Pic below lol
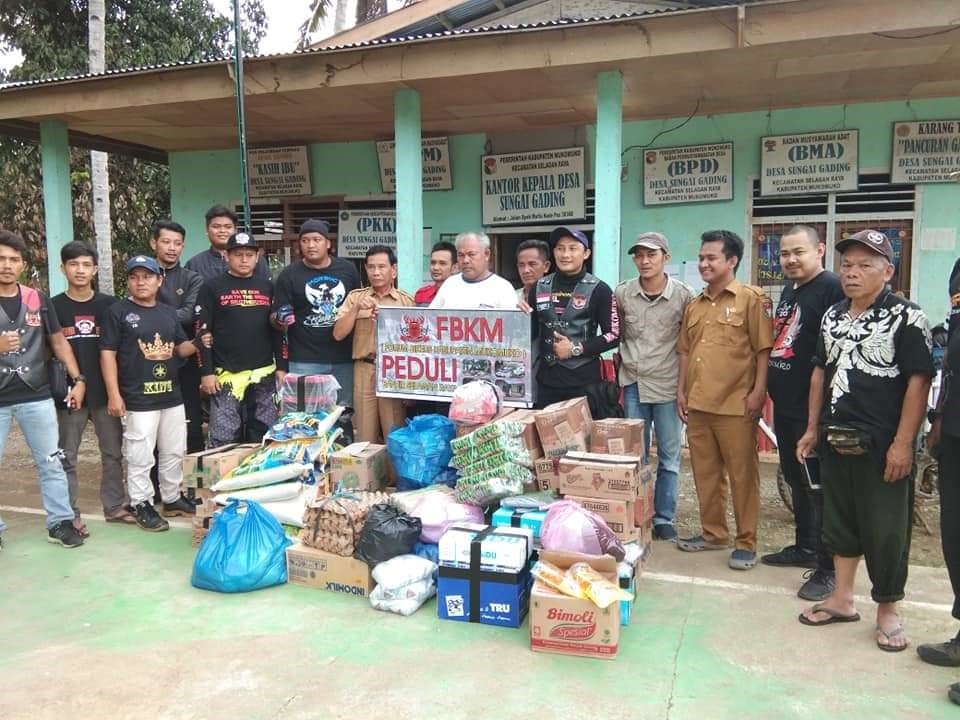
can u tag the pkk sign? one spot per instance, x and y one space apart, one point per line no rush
278 172
926 151
536 186
810 163
696 173
426 354
359 230
436 164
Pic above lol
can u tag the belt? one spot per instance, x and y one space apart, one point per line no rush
368 360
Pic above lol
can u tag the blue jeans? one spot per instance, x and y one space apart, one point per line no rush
38 423
343 372
664 418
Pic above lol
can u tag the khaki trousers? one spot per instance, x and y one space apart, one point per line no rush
374 417
728 443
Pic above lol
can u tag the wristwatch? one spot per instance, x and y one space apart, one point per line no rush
577 350
79 379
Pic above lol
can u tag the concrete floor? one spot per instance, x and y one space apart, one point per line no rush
114 630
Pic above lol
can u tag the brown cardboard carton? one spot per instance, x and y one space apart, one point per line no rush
617 514
643 507
646 541
570 626
326 571
617 436
203 469
360 466
545 469
593 475
530 437
464 429
564 426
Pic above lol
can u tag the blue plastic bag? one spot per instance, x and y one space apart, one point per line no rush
420 452
242 552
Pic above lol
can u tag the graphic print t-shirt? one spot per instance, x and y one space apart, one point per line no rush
82 323
795 331
316 296
237 312
145 340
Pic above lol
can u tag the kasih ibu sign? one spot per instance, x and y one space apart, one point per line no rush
809 163
926 151
436 164
536 186
696 173
360 230
278 172
426 354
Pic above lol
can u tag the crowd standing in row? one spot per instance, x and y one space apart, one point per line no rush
846 362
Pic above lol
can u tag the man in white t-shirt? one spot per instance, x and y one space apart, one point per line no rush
475 287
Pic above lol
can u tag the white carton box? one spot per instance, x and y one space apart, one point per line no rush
505 549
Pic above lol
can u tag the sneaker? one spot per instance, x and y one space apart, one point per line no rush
791 556
149 519
742 559
954 693
945 654
64 533
664 531
818 586
180 506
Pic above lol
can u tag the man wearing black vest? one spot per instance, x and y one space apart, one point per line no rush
570 307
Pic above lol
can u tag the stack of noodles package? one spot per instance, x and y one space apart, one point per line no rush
493 463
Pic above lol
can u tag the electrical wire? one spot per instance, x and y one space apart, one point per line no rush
891 36
665 131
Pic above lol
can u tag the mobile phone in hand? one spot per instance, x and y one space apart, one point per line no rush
810 483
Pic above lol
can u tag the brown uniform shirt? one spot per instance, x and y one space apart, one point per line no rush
721 337
365 329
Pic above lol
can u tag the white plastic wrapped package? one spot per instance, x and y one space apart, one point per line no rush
266 493
290 512
438 511
269 476
403 570
403 601
408 500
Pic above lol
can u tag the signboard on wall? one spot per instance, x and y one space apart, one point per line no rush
436 164
359 230
695 173
537 186
278 172
427 354
809 163
926 151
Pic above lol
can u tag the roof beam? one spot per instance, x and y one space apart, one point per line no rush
30 132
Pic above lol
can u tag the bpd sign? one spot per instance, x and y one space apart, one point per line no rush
696 173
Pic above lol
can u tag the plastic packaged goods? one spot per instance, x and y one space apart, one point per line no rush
486 433
292 510
403 570
487 490
308 393
438 511
404 601
529 501
407 500
551 575
387 532
261 478
428 551
496 460
571 528
475 402
302 425
275 455
420 451
596 587
266 493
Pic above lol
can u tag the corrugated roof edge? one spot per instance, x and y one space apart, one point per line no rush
522 27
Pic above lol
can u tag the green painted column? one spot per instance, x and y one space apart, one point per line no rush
57 202
607 163
409 168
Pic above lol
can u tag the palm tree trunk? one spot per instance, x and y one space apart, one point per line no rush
99 175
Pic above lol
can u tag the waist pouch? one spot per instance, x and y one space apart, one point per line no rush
847 440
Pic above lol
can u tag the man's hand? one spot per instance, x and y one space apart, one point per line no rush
115 406
899 460
209 385
525 306
75 396
9 341
682 405
562 347
753 405
806 445
367 303
285 316
279 375
933 437
203 339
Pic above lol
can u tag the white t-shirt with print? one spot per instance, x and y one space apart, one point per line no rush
493 292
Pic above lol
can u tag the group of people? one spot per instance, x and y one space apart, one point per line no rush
846 362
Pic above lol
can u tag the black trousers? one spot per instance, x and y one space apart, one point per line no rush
190 389
949 478
807 502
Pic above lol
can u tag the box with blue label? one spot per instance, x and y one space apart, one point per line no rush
516 517
482 596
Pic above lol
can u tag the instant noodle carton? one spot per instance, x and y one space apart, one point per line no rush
617 436
594 475
326 571
546 471
205 468
564 426
570 626
360 466
617 514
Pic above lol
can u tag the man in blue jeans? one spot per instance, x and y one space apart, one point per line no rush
651 308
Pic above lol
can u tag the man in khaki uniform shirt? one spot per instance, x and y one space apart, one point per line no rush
724 344
375 417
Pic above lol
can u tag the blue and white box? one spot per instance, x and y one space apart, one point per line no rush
488 598
514 517
471 545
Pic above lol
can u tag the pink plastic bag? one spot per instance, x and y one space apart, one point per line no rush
438 511
475 403
571 528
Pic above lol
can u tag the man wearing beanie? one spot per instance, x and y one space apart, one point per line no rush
308 295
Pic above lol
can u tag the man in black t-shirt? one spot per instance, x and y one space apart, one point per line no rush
809 292
307 296
235 307
141 350
81 311
868 397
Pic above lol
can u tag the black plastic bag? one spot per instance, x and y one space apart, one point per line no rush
388 532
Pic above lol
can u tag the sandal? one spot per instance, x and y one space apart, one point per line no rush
122 515
833 616
698 543
81 528
886 647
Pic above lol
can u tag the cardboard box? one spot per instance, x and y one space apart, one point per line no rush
326 571
469 545
643 507
594 475
488 598
530 436
465 429
564 426
360 466
205 468
509 517
645 540
617 514
617 436
546 470
570 626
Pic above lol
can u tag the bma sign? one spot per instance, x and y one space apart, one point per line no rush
436 164
696 173
360 230
810 163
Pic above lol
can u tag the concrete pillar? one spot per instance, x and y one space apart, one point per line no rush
607 163
57 202
409 168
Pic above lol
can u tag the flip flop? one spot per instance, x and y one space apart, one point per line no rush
123 517
81 528
699 544
833 616
889 636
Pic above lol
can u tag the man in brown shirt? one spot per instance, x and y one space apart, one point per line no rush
725 340
375 417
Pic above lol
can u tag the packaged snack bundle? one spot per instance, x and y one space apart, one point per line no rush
301 425
500 428
510 448
596 587
551 575
475 402
487 490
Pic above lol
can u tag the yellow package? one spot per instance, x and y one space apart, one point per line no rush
550 574
595 586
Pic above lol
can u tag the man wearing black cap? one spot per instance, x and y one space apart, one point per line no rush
307 297
868 397
570 307
235 308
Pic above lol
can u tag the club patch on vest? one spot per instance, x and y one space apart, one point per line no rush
32 319
578 301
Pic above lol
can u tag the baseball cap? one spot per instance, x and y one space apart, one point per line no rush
143 261
562 232
650 240
872 239
242 240
315 226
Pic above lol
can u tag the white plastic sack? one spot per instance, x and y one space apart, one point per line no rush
265 494
270 476
290 512
407 500
403 570
403 601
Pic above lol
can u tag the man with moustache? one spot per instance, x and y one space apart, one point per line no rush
443 264
533 262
